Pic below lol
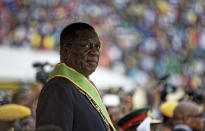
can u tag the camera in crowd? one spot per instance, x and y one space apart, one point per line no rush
43 70
195 95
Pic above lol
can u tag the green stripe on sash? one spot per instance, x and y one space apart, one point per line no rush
62 70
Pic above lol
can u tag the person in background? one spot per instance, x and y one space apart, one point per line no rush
22 97
69 99
11 116
27 97
138 120
188 117
28 124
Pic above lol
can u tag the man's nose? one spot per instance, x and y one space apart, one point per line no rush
94 50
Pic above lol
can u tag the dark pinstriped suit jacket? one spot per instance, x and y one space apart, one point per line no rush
61 103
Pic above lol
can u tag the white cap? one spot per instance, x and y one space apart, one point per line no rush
111 100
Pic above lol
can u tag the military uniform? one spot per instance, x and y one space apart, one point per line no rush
132 120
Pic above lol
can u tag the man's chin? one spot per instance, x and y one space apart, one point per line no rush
90 70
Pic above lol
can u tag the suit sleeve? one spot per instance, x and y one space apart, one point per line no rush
55 107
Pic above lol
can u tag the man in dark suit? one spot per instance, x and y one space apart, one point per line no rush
69 99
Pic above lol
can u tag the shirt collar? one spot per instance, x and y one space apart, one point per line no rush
182 126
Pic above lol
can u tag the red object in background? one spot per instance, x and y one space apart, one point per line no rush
133 121
193 36
111 117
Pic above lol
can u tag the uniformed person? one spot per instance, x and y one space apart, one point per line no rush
132 120
10 113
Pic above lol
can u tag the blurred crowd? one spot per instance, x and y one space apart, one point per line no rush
144 39
159 44
18 108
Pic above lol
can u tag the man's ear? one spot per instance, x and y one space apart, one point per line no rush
65 53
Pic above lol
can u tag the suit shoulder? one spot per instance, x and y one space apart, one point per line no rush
59 81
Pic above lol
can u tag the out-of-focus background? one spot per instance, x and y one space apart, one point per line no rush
152 50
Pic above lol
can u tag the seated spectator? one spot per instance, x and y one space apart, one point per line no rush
27 97
10 114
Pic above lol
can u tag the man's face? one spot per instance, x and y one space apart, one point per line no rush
84 52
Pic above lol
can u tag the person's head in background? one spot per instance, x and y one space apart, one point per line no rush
21 97
188 113
28 124
80 47
24 124
11 116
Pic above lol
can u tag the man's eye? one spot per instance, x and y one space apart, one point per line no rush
85 45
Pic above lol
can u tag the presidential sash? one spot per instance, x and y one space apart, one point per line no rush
85 87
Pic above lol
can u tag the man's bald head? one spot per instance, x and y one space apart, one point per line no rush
185 108
188 113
